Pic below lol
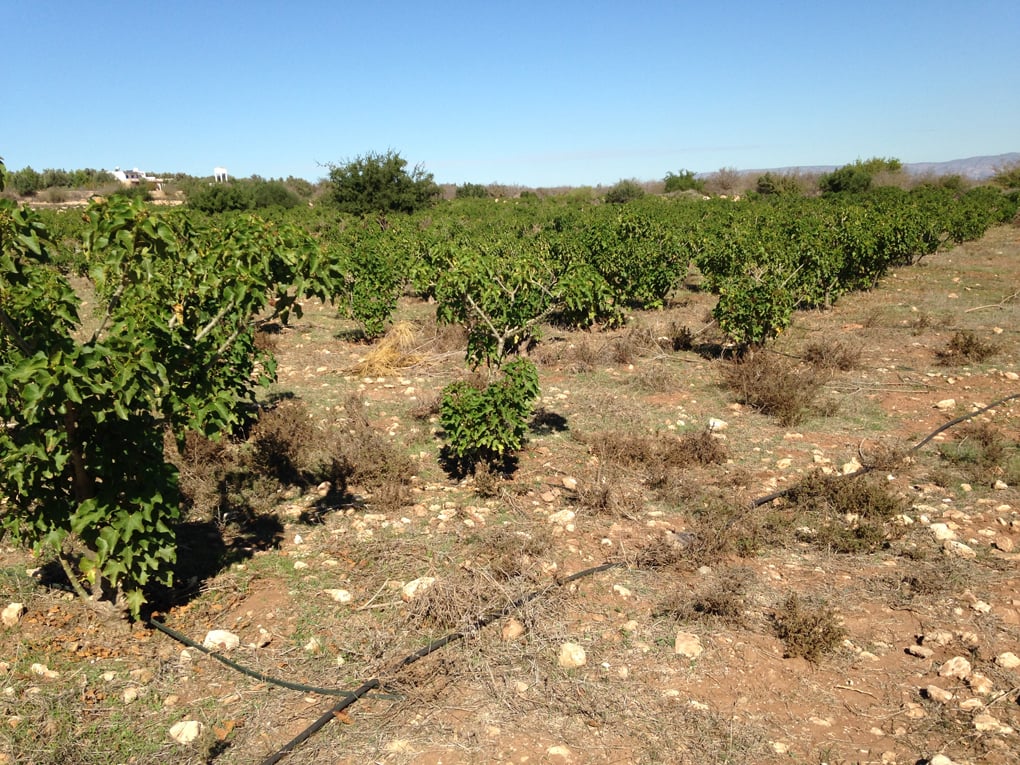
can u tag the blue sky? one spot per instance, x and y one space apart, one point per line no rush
532 93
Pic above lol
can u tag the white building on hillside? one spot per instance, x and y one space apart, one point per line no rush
135 177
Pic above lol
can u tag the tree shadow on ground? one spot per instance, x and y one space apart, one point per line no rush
203 551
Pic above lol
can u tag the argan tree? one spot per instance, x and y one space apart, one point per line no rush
381 183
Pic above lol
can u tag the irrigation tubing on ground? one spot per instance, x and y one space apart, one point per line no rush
181 638
435 645
485 620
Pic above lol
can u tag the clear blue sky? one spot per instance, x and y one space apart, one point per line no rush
534 93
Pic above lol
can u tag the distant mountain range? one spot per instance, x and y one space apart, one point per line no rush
974 168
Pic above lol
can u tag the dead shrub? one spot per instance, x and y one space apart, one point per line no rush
775 385
395 352
848 515
457 602
656 377
980 453
203 465
665 551
724 527
807 630
512 553
588 353
965 347
724 599
833 354
602 493
683 451
375 463
426 407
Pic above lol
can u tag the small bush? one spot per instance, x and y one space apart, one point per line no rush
850 515
488 424
966 348
724 599
625 191
775 385
807 631
981 454
833 354
685 180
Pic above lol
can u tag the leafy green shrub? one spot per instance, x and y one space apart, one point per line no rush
472 191
488 423
82 460
1008 177
755 306
685 180
849 179
380 183
625 191
774 184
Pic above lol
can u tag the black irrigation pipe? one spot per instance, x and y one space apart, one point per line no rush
435 645
487 619
915 448
181 638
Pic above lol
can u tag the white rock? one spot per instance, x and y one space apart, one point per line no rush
937 637
980 684
622 591
942 532
572 655
946 404
12 614
958 549
940 759
416 587
938 694
43 671
570 483
1005 544
299 565
851 467
1000 485
186 731
340 596
563 517
987 723
129 695
687 644
920 651
716 425
1008 660
221 640
955 667
313 645
981 607
563 752
512 630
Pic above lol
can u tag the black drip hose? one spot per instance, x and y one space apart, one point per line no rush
351 697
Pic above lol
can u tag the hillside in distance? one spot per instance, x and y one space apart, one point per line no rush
975 168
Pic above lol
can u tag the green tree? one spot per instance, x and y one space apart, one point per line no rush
381 183
472 191
685 180
82 467
625 191
857 177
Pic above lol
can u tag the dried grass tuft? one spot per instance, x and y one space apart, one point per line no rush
396 351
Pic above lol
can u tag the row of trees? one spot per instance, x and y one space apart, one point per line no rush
173 349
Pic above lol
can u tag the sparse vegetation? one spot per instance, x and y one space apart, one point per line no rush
645 500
